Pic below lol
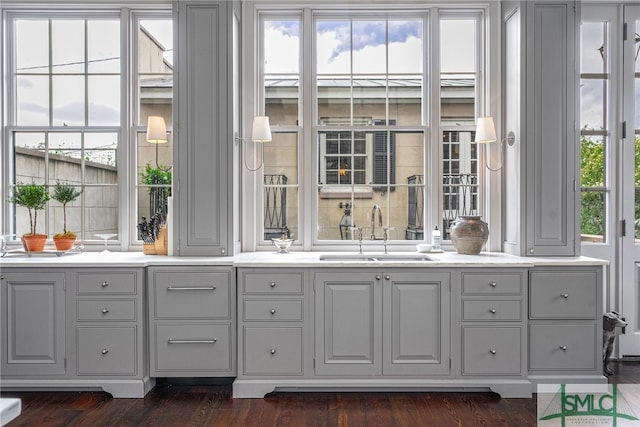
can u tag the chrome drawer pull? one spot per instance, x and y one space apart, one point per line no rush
378 277
105 351
272 284
272 311
105 284
172 341
191 288
493 311
493 284
563 347
565 296
273 351
105 310
492 352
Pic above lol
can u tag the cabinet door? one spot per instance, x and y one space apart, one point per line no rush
416 323
348 323
201 127
33 338
551 138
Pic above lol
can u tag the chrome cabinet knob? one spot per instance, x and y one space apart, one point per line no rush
565 296
273 351
493 352
493 311
563 347
273 284
105 310
272 311
387 277
493 284
378 277
105 351
105 284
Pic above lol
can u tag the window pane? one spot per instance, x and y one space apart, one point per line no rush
32 100
101 149
65 154
103 45
281 156
280 208
369 47
29 156
32 46
101 211
333 47
405 100
458 41
282 71
369 98
593 94
592 167
67 46
155 65
104 100
593 49
334 101
405 46
68 101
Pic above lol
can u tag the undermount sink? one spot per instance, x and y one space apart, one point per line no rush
375 257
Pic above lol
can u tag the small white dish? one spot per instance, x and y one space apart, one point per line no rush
424 247
282 244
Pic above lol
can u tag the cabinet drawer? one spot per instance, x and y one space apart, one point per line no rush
562 347
283 283
562 295
205 348
105 309
272 351
197 295
272 310
491 351
491 310
106 351
106 282
491 284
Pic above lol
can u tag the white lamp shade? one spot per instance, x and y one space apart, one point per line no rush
485 130
156 130
261 129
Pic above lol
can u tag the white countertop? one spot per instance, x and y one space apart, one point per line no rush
292 259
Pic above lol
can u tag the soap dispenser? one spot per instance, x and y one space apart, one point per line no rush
435 239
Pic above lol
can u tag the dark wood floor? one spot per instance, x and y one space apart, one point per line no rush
170 404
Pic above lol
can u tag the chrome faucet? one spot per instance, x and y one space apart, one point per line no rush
373 220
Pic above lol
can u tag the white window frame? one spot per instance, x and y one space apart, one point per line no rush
488 65
126 151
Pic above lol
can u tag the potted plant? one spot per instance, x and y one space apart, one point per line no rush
33 197
64 193
154 177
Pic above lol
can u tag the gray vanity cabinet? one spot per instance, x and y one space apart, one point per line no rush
565 334
192 321
203 210
382 323
348 323
33 323
541 194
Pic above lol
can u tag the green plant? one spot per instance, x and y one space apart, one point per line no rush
65 193
33 197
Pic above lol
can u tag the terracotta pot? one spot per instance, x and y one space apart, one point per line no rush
469 234
34 242
64 243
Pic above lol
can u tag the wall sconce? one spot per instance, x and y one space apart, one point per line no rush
157 134
261 132
486 133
